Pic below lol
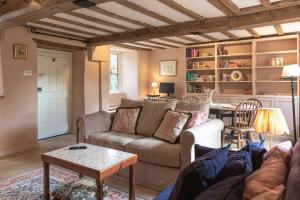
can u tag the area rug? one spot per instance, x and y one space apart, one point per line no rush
29 186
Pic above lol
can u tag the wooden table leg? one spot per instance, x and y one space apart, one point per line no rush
132 182
99 186
46 181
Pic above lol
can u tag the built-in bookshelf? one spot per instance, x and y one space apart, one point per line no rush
245 67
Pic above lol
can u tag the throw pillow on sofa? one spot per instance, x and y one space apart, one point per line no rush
171 126
152 115
199 175
272 173
229 189
284 148
125 120
197 118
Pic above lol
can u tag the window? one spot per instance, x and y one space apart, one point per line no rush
115 85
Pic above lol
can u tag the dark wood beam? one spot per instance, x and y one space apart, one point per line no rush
210 25
253 33
73 22
65 28
113 15
221 7
148 45
96 20
57 46
265 3
231 6
230 35
180 8
131 47
145 11
278 29
161 44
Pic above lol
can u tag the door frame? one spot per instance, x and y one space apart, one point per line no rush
61 54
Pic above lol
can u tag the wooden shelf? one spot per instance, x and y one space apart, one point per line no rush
270 81
200 81
234 81
200 57
269 67
236 55
234 68
200 69
276 52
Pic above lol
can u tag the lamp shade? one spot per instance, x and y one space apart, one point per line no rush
270 120
291 71
154 84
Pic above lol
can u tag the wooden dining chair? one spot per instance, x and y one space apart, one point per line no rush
243 120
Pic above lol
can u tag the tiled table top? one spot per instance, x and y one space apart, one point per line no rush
94 157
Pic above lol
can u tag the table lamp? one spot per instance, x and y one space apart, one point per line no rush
291 72
154 85
270 121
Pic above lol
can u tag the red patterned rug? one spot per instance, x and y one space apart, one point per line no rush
29 186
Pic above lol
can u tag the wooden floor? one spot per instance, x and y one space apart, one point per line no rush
27 161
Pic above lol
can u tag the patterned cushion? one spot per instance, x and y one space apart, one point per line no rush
82 189
171 126
125 120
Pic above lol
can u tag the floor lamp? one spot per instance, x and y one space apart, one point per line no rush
292 72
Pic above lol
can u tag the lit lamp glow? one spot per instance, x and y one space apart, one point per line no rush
154 86
291 72
270 121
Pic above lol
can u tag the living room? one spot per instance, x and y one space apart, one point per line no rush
132 99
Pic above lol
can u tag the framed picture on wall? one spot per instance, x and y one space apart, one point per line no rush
168 68
20 51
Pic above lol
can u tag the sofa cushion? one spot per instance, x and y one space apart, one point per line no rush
155 151
274 194
151 116
199 175
129 103
125 120
113 140
293 181
171 126
190 106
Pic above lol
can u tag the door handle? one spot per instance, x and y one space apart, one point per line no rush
39 89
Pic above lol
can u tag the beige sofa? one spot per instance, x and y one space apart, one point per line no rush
159 161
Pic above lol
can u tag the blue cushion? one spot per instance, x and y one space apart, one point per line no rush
231 188
201 150
238 163
257 150
164 195
199 175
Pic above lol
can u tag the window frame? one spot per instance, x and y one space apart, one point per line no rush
119 72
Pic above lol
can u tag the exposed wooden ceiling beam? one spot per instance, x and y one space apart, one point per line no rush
253 33
148 45
47 31
172 41
131 47
66 28
132 21
81 24
221 7
161 44
265 3
228 34
231 6
278 29
98 21
180 8
46 8
206 26
57 46
145 11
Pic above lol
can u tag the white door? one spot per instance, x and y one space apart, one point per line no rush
53 93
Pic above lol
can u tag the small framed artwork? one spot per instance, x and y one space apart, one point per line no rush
20 51
168 68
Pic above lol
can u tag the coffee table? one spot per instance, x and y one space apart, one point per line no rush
96 162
